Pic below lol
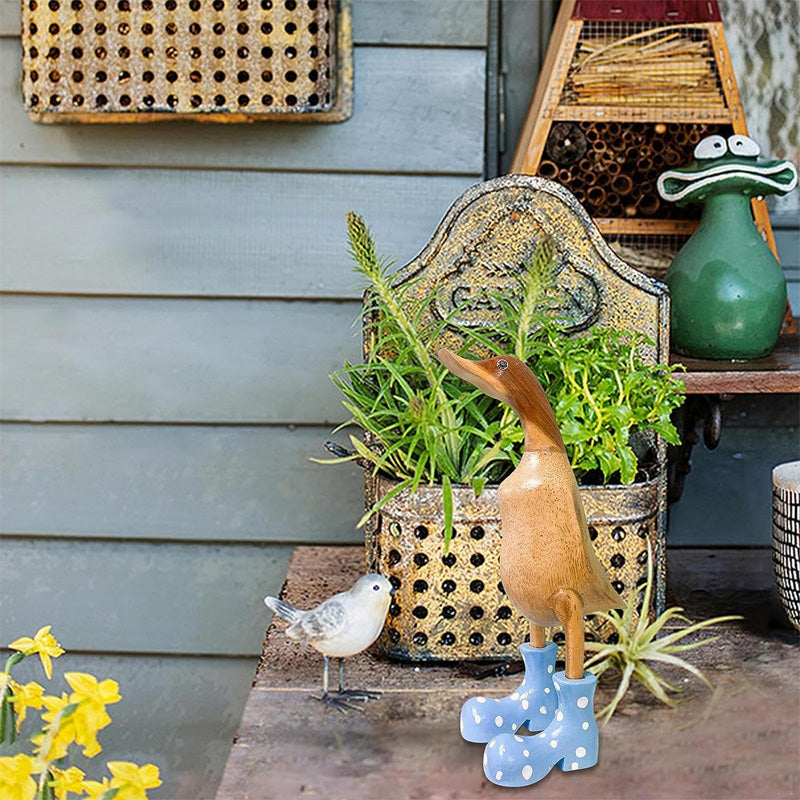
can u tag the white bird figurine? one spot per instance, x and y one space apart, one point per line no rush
341 626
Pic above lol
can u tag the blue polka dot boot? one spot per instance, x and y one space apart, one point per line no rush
569 742
533 704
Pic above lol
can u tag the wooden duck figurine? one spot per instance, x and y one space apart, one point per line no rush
552 575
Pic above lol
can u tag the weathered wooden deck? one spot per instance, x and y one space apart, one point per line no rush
741 740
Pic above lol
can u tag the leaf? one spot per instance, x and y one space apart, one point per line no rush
447 508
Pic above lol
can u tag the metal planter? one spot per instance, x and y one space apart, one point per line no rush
451 606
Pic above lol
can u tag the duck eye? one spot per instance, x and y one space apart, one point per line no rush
502 364
711 147
376 587
743 145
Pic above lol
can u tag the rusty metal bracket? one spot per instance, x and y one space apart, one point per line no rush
697 409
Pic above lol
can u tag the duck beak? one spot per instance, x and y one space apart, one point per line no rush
460 367
473 372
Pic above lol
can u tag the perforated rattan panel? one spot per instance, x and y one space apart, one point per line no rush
221 60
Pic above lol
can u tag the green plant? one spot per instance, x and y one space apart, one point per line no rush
72 719
602 391
424 425
637 649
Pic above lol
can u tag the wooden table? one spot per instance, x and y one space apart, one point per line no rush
738 741
709 382
778 373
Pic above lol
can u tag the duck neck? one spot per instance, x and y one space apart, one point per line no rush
538 422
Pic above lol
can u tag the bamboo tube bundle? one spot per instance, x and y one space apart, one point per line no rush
668 65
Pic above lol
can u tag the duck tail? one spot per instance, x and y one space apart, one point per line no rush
284 610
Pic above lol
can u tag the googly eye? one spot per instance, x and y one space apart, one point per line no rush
743 145
502 364
711 147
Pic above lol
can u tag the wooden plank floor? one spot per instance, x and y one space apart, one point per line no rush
740 740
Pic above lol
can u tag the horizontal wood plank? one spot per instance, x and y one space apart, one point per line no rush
176 482
452 23
777 373
116 359
416 110
207 233
421 22
10 18
212 594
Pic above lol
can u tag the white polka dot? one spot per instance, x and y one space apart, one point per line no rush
585 726
526 753
559 715
485 759
518 739
514 726
515 696
525 705
527 771
574 765
583 702
461 725
547 690
498 720
480 699
553 743
543 709
580 752
477 718
543 735
492 744
550 670
498 775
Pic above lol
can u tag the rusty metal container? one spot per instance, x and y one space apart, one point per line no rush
450 606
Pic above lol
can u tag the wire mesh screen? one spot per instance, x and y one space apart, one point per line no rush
148 59
643 64
651 255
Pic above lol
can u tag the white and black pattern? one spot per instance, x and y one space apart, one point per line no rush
786 536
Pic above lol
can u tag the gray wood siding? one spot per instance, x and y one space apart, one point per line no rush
176 482
250 234
176 297
137 583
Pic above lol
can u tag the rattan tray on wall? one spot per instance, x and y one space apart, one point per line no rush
204 60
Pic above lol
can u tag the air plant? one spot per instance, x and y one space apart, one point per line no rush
637 651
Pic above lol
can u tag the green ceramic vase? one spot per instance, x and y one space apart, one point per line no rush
727 289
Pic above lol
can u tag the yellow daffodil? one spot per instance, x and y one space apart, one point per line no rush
43 643
87 688
59 732
16 782
66 781
24 697
95 790
133 780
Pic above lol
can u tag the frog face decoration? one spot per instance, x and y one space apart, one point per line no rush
730 165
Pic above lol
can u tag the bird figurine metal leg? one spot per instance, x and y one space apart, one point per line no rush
341 626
